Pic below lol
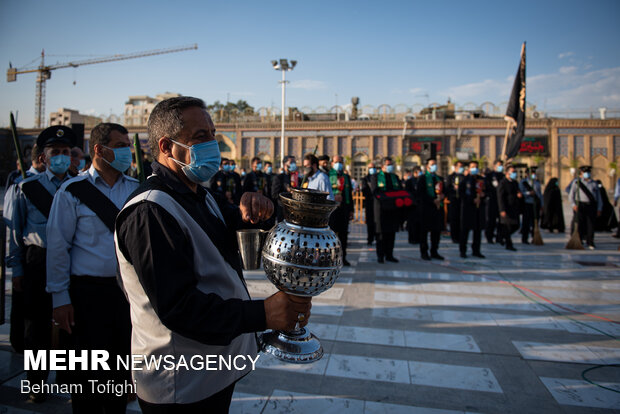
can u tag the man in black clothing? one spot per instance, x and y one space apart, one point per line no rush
413 219
430 198
171 226
508 196
369 203
472 200
491 183
386 222
343 194
454 201
255 180
268 173
283 182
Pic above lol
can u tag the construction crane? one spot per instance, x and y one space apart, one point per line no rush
44 72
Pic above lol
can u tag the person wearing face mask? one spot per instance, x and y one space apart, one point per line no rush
430 196
343 194
77 161
508 196
454 206
532 194
587 204
255 180
233 183
283 182
314 178
553 214
472 201
268 172
180 267
88 305
324 164
387 223
369 203
413 219
28 241
491 183
217 183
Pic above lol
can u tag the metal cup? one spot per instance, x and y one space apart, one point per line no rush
251 243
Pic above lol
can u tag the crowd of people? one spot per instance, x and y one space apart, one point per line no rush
153 268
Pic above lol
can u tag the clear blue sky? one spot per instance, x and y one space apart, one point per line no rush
388 52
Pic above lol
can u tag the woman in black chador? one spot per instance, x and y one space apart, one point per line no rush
553 216
607 221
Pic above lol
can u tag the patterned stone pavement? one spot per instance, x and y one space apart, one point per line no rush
512 333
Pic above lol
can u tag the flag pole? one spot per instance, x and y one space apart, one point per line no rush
505 141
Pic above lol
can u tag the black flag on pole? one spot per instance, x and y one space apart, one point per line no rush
515 113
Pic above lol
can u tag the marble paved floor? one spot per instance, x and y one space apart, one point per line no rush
511 333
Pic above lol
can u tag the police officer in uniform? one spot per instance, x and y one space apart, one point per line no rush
386 223
205 308
454 206
532 194
81 264
283 182
491 183
472 201
430 198
343 194
508 196
29 240
586 202
369 203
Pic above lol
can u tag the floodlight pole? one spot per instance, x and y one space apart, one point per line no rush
283 65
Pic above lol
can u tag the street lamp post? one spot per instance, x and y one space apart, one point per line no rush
284 66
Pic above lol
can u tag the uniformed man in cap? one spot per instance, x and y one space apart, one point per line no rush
369 203
181 270
532 194
81 264
586 202
28 240
343 194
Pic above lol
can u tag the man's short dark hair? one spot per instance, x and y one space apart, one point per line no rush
166 120
323 158
287 158
101 135
430 159
36 152
268 163
416 168
498 162
474 162
223 161
457 162
386 159
509 166
313 159
257 159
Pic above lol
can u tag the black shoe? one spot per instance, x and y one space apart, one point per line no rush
463 255
436 256
380 260
345 262
480 255
511 248
617 235
392 259
501 242
425 256
490 242
525 242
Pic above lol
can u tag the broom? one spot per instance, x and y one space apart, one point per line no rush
574 243
537 238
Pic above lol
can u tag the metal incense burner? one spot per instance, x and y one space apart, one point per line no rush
302 256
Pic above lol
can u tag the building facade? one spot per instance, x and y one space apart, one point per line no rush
138 108
67 117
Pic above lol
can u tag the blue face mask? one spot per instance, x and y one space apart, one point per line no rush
269 170
390 168
226 168
59 164
292 167
461 170
81 165
432 169
372 171
586 175
533 176
473 171
513 175
205 160
259 166
499 168
232 167
122 158
338 166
